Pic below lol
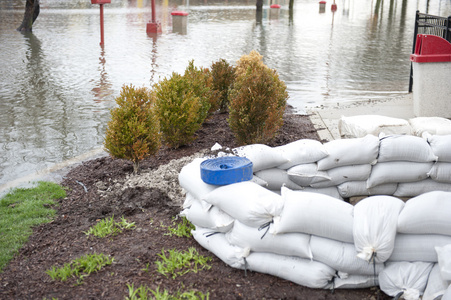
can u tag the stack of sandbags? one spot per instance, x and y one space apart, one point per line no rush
362 125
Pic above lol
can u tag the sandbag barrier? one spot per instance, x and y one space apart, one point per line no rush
290 220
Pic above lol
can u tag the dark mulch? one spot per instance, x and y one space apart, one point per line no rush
63 239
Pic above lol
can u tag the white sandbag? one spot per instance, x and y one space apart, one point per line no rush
412 189
436 286
329 191
301 271
347 152
444 261
375 220
341 257
261 156
316 214
405 277
306 174
276 178
441 172
302 151
447 294
258 240
428 213
431 125
219 246
355 282
247 202
418 247
398 171
345 173
190 180
405 148
202 214
358 188
360 126
440 145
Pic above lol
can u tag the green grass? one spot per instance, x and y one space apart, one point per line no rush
178 263
80 267
20 210
145 293
108 227
182 229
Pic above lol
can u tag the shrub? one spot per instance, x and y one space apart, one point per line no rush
223 75
257 101
133 132
201 82
182 104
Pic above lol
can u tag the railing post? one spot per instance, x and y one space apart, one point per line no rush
415 32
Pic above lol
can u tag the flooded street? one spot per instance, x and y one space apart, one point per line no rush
57 83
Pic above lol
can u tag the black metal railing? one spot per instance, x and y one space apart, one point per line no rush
433 25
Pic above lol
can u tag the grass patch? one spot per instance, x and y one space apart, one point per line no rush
144 293
20 210
182 229
80 267
108 227
178 263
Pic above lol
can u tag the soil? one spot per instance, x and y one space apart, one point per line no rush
106 187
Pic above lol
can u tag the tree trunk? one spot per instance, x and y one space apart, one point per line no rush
259 5
31 13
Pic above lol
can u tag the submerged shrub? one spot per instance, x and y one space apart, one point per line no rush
133 133
223 76
182 104
257 101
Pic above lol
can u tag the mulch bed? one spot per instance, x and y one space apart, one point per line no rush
63 239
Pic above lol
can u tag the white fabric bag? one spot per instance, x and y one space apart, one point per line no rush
418 247
407 278
428 213
413 189
441 172
302 151
358 188
276 178
258 240
355 282
398 171
440 145
431 125
247 202
316 214
436 286
375 220
358 151
345 173
444 261
191 181
306 174
301 271
405 148
329 191
261 156
359 126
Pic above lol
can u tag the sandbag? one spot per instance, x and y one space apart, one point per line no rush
441 172
302 151
190 180
257 239
301 271
375 220
345 173
261 156
431 125
447 294
202 214
247 202
405 148
341 256
329 191
316 214
436 286
398 171
418 247
219 246
408 278
428 213
358 188
440 145
360 126
412 189
347 152
355 282
444 262
306 174
276 178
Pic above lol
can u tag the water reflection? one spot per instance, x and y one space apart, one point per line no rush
57 84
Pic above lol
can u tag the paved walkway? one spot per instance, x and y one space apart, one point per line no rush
325 118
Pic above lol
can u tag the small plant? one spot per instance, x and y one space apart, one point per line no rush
133 132
178 263
182 104
257 101
143 293
108 227
182 229
80 267
223 76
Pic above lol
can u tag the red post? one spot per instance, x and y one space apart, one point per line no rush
153 11
101 25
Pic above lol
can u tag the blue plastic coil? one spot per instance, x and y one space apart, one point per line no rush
226 170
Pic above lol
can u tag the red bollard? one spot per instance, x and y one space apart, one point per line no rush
101 2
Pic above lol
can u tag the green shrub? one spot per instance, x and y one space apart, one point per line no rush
182 104
257 101
201 82
223 76
133 132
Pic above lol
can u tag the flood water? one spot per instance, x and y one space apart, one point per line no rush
57 83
